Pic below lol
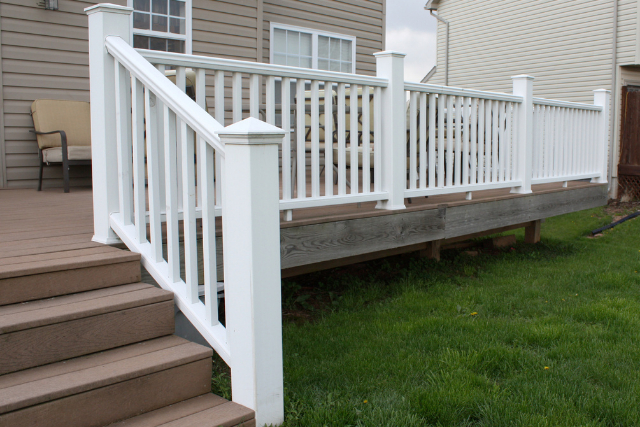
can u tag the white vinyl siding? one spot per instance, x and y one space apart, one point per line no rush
565 45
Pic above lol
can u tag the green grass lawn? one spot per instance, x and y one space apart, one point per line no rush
537 335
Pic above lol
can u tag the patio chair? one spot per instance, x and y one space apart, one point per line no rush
63 132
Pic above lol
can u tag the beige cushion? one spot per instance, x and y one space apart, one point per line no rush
54 155
73 117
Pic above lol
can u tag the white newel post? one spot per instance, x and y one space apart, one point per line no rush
523 147
602 97
390 65
251 230
104 20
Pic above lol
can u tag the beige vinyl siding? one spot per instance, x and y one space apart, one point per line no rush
44 55
566 46
360 18
627 31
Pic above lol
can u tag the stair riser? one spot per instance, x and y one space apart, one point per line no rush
61 341
119 401
46 285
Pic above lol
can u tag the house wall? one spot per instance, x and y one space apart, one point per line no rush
566 46
44 54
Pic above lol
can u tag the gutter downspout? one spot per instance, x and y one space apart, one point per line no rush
614 98
446 55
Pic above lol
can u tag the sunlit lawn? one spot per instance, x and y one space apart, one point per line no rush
555 341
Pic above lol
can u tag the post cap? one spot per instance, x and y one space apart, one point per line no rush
389 53
109 8
251 131
602 90
523 76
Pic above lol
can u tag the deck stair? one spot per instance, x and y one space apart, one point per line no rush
84 343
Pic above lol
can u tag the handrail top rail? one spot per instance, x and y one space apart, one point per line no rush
184 107
237 66
566 104
458 91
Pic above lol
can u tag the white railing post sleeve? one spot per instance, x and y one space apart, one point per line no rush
390 65
602 97
104 20
251 232
523 139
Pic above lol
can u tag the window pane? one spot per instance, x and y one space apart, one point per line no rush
334 66
159 23
293 42
280 41
177 26
346 50
156 43
279 58
141 5
176 8
305 62
141 42
305 44
293 61
160 6
335 49
323 47
175 46
323 64
346 67
141 20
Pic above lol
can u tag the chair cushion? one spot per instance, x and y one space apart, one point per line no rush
73 117
54 155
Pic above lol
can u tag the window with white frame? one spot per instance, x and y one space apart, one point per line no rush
308 48
162 25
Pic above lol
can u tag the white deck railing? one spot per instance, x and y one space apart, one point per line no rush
161 160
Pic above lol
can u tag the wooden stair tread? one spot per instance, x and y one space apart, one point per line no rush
45 242
111 256
207 410
46 383
19 317
48 249
48 256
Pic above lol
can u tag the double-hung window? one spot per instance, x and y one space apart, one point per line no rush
308 48
162 25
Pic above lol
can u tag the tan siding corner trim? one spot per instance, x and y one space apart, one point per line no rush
259 30
637 32
3 165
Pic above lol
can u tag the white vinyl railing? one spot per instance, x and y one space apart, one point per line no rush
566 141
459 140
165 169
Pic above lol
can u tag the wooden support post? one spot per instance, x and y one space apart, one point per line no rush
523 144
390 65
432 250
251 230
104 20
532 232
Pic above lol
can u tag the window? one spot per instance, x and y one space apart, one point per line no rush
162 25
307 48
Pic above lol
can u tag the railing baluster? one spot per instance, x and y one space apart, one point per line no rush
137 133
315 138
465 140
353 137
207 174
495 145
287 186
328 138
301 161
449 152
155 180
457 167
366 140
254 95
171 185
423 140
508 142
442 99
189 213
123 141
181 82
342 157
158 117
481 161
413 109
377 138
432 140
488 156
201 100
501 141
474 141
219 115
236 96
